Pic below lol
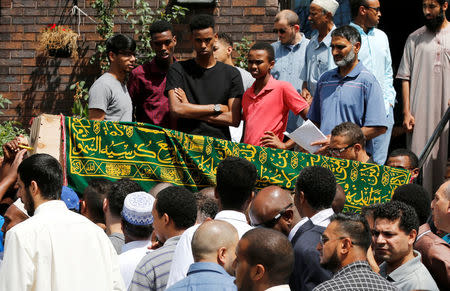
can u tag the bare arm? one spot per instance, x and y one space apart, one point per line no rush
271 140
180 107
229 118
408 119
96 114
373 131
11 176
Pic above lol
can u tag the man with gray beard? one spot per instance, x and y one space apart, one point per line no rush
348 93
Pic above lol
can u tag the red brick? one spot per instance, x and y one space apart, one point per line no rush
256 28
266 37
12 45
12 11
246 3
254 11
23 36
10 62
29 62
22 54
25 3
65 70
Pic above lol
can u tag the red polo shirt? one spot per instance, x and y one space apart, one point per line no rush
269 109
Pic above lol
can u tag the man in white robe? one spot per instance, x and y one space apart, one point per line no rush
425 74
55 249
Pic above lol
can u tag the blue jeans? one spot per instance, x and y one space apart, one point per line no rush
381 142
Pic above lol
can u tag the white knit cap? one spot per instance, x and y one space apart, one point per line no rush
137 208
18 203
329 5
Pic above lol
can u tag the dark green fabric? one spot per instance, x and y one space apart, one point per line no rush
149 154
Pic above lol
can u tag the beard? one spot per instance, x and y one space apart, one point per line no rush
435 23
347 60
29 203
333 262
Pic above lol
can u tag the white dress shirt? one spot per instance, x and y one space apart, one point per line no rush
322 218
279 288
183 258
296 227
130 256
57 249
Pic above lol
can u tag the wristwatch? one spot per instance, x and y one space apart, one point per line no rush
217 108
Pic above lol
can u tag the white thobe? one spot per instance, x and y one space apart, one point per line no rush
182 258
57 249
130 256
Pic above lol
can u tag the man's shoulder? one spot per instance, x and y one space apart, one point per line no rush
154 258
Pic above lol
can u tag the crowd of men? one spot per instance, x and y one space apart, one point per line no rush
118 236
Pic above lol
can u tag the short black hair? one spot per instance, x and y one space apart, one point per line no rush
160 26
350 130
46 171
413 160
356 227
369 209
398 210
273 250
415 196
206 206
236 178
265 47
119 43
354 6
202 21
94 194
119 190
137 232
348 32
318 185
179 204
225 37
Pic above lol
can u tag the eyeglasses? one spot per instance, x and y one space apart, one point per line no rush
281 30
337 152
271 223
324 240
376 9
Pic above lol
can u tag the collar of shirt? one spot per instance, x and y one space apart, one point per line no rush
423 230
296 227
353 74
296 46
352 267
153 67
407 268
269 87
279 288
361 31
135 245
232 215
326 41
206 267
322 218
172 241
52 204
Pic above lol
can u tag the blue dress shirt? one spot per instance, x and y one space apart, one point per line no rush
357 98
205 276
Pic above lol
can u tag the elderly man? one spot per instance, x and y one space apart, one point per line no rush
75 253
318 52
349 92
376 57
425 61
289 56
264 261
214 250
441 207
273 208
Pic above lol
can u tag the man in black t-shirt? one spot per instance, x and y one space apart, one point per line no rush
204 95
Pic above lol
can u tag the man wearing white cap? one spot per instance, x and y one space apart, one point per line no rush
137 227
318 56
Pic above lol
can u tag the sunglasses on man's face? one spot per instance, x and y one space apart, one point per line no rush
271 223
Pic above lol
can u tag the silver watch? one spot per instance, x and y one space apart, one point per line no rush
217 108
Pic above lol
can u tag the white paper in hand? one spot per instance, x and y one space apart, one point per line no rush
305 135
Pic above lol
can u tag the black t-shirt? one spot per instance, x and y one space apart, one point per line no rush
205 86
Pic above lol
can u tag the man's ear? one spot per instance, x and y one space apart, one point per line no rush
296 27
357 147
257 272
221 256
345 246
112 56
34 188
357 46
229 50
83 207
174 39
105 205
412 237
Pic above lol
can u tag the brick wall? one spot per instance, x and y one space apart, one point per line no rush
37 84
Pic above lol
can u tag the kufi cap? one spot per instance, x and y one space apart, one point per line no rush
329 5
70 198
18 203
137 208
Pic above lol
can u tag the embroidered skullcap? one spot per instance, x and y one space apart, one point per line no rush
18 203
137 208
329 5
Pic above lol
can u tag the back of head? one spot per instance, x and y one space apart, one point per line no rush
398 210
415 196
119 190
225 38
179 204
93 195
160 26
351 131
265 47
354 226
158 187
210 237
202 21
46 171
207 207
348 32
413 160
354 6
318 185
290 16
235 179
339 199
273 250
120 43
